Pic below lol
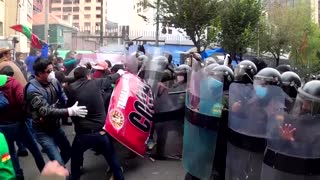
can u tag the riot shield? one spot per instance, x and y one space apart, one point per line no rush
131 63
203 112
153 73
249 111
294 142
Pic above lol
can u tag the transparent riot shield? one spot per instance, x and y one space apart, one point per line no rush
131 63
203 112
249 110
154 72
294 142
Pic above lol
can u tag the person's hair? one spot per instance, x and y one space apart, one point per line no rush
50 58
7 70
60 76
141 48
18 54
170 58
81 72
109 63
40 65
259 63
59 59
33 51
116 67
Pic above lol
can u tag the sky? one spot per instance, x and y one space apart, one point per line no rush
119 11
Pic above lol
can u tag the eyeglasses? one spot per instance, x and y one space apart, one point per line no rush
48 71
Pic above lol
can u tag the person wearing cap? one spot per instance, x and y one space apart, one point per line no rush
102 69
5 60
13 125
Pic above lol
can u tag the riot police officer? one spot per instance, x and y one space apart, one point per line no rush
293 147
248 115
283 68
204 105
290 84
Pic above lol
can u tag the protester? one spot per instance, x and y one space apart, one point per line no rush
13 125
5 60
89 129
101 69
33 55
42 95
6 167
21 64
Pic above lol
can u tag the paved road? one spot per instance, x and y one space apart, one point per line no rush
135 169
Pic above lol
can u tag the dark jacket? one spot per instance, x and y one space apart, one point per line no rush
13 91
89 93
41 102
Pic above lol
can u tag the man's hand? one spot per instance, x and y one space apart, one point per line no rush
80 111
287 132
236 106
53 168
121 72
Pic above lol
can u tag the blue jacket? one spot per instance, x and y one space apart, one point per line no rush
31 59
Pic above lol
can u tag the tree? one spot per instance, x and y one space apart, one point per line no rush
194 17
239 19
282 30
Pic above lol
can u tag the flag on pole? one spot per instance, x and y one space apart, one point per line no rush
35 41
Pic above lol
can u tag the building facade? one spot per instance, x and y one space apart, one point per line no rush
82 14
15 12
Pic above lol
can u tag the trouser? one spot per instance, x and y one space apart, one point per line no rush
55 144
99 141
21 146
20 132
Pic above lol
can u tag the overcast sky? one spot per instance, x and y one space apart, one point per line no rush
119 11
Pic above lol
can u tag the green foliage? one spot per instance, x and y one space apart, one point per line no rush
239 20
283 31
193 16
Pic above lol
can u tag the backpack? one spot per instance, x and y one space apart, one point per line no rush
3 101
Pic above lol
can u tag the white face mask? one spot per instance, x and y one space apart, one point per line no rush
51 76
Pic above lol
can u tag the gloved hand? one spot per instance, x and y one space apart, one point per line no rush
121 72
80 111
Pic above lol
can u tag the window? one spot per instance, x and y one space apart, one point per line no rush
98 8
75 9
99 1
98 24
65 17
87 8
1 28
98 16
169 31
75 16
56 1
76 25
56 9
87 24
67 2
67 9
87 16
87 1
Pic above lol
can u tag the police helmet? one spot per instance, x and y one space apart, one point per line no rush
308 97
268 76
283 68
227 73
290 83
245 71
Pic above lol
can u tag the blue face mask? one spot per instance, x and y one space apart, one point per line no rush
261 92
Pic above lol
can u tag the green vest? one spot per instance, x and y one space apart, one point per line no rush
6 167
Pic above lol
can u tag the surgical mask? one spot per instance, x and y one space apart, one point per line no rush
180 78
261 92
51 76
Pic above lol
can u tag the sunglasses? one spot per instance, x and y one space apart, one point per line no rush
48 71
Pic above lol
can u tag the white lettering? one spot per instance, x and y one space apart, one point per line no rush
124 94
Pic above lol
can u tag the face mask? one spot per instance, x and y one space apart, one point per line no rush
261 92
51 76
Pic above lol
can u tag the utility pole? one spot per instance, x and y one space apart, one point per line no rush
157 23
101 25
46 25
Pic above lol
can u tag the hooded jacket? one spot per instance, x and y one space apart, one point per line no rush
13 91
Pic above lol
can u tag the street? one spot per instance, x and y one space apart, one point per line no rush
95 167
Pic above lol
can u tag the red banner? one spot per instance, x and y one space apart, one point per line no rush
130 113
